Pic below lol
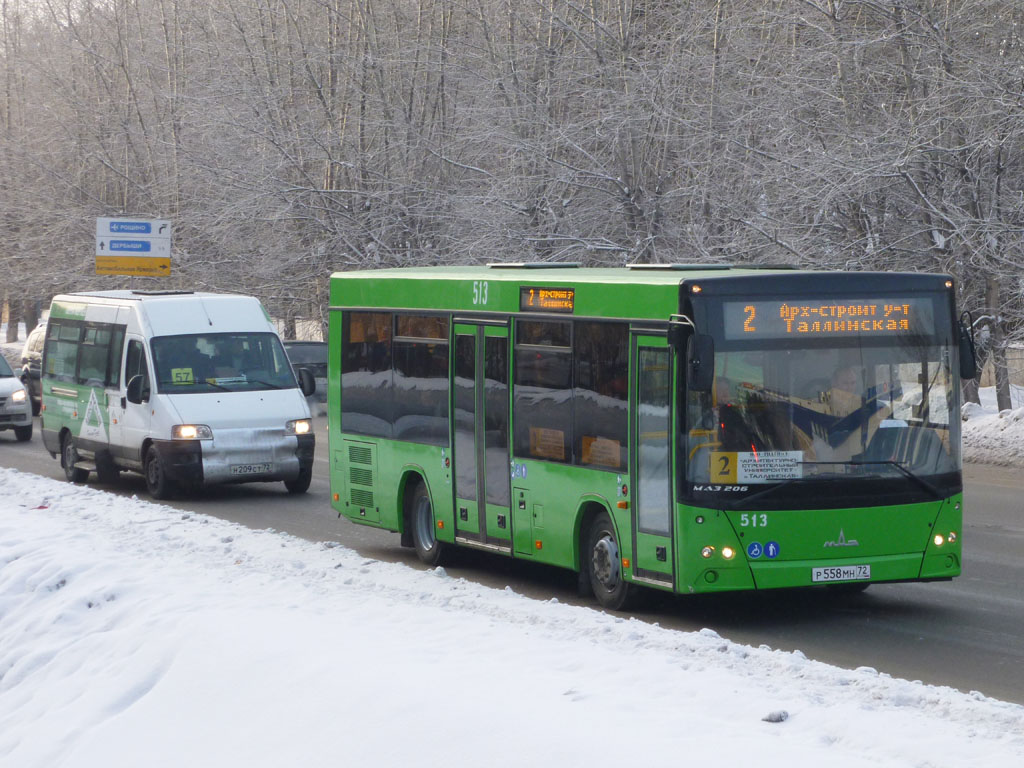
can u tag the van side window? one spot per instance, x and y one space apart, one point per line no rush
61 351
135 362
84 353
92 356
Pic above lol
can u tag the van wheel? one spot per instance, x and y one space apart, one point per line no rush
68 457
159 485
605 566
24 434
428 549
301 483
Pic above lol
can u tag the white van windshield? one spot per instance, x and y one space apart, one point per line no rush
221 362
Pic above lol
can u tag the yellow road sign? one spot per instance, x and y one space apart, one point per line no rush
133 265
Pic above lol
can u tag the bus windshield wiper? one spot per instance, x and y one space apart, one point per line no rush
792 480
905 472
788 482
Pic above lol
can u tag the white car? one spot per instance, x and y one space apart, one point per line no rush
15 404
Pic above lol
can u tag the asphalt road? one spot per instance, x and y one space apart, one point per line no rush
968 633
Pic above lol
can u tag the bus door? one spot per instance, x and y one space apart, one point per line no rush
651 457
480 441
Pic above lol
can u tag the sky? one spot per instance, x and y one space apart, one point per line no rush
136 634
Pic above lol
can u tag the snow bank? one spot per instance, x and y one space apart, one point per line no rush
133 634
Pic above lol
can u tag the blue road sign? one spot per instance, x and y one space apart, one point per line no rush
131 246
755 549
131 227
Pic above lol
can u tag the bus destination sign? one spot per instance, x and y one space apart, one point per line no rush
534 299
805 318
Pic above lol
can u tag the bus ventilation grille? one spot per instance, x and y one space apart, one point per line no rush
360 454
360 475
362 498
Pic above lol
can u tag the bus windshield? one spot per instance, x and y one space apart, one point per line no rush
221 362
785 412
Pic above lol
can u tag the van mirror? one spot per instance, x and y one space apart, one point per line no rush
138 389
700 362
306 381
968 355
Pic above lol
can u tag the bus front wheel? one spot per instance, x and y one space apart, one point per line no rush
605 566
421 519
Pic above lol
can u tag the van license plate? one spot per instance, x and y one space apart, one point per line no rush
841 573
250 469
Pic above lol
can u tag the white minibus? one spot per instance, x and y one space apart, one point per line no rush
188 389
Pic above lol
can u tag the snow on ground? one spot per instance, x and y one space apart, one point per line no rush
135 634
991 436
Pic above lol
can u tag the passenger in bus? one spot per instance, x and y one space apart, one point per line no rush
858 412
734 431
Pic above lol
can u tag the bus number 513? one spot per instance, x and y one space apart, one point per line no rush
479 291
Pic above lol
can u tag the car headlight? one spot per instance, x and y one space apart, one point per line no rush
298 427
19 396
191 432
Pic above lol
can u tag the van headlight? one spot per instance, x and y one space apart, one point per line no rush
191 432
298 427
19 396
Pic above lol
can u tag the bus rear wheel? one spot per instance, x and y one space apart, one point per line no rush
604 566
68 457
421 519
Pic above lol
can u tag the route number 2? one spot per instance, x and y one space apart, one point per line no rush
748 324
479 291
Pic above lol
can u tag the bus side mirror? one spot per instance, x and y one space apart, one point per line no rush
306 381
138 389
678 334
700 362
968 355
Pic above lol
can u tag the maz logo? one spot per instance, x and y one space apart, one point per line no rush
842 542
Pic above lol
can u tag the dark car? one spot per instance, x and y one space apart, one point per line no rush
311 355
32 365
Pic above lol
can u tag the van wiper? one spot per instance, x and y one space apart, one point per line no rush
905 472
267 384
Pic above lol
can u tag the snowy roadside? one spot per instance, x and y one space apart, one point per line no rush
131 634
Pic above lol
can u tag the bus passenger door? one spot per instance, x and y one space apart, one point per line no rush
651 457
481 435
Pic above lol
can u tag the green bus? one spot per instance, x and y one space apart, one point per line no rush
683 427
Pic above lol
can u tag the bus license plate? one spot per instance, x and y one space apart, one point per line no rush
841 573
250 469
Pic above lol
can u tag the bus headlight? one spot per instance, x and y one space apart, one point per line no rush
298 427
728 553
707 552
18 396
952 537
191 432
939 540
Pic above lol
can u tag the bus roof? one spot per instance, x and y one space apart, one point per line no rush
637 292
